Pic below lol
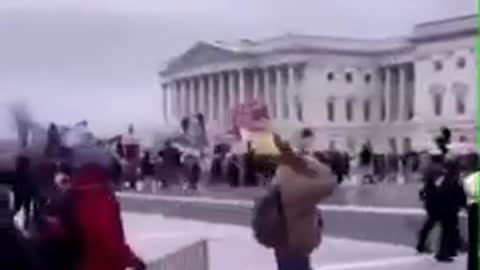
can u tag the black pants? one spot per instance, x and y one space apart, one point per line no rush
430 222
292 262
473 237
24 201
448 238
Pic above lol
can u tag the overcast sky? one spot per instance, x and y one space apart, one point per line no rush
75 59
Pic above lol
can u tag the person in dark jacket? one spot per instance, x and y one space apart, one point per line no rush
430 195
365 164
52 149
451 200
59 241
170 165
23 188
148 171
16 251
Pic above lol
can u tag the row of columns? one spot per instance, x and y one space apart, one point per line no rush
216 94
396 90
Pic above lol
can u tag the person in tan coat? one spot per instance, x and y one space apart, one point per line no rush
304 182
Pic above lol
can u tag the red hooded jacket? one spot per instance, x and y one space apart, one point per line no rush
98 214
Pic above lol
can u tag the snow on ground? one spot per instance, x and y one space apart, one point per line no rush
232 247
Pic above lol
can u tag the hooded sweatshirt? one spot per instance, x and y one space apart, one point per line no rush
300 196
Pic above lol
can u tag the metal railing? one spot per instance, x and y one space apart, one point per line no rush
191 257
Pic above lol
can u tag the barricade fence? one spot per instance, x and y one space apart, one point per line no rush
191 257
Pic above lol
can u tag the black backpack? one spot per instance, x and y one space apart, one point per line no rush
268 221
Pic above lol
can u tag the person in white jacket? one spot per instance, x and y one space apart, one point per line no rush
471 186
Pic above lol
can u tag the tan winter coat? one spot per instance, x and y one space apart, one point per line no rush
300 197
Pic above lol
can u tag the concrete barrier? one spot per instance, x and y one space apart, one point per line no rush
194 256
378 224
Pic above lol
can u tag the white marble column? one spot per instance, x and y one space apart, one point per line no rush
181 100
231 89
241 85
221 95
279 90
206 97
188 96
267 90
201 103
211 92
402 79
191 89
165 101
256 84
292 93
388 94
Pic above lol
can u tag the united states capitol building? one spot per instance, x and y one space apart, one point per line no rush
394 93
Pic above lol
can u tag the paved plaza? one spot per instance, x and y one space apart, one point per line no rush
232 247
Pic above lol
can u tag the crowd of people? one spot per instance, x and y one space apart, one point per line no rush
72 218
65 214
444 195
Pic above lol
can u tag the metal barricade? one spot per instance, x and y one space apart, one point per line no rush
192 257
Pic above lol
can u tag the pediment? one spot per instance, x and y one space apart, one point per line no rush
200 54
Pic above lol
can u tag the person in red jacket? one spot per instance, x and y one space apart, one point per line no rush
97 213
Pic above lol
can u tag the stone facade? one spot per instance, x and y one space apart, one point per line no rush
394 93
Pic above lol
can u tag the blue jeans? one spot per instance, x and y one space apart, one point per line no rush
292 262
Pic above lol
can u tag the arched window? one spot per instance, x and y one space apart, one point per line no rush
331 109
437 91
366 110
460 91
349 109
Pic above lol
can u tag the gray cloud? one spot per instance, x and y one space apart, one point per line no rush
98 59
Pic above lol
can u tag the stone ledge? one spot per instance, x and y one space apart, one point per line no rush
395 227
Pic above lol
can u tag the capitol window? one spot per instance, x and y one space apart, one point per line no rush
349 77
331 110
368 78
438 65
349 109
460 91
366 110
460 104
437 104
437 91
461 62
330 76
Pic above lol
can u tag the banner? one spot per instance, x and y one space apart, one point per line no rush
252 116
